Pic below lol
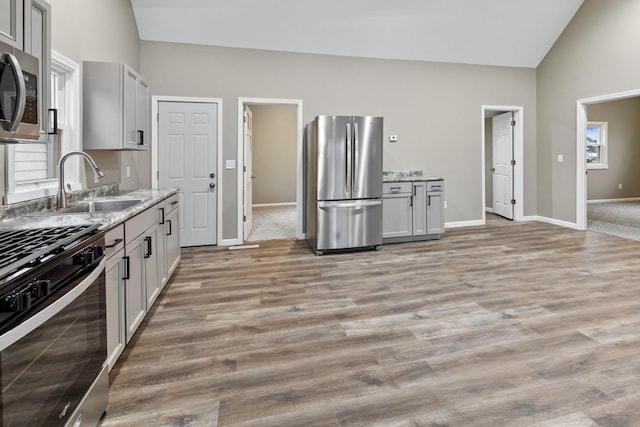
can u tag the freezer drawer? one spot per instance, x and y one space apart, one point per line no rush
349 224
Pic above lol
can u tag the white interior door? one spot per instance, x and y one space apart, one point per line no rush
248 171
502 164
187 160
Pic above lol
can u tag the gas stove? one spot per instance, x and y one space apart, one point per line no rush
26 248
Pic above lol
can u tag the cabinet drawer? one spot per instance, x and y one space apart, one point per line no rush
114 240
397 187
138 224
171 203
435 185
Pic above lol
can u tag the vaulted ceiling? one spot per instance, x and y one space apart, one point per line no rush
516 33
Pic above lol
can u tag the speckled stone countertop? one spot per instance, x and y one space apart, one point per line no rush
407 176
107 220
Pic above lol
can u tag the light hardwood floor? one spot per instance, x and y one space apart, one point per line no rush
508 324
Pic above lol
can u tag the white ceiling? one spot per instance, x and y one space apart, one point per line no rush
515 33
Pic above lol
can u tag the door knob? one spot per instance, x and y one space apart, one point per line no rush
212 185
212 175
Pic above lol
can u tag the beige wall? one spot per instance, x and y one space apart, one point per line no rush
434 108
623 123
275 146
102 30
595 55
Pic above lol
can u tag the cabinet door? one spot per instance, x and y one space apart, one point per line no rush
130 105
172 227
419 208
11 13
37 42
135 301
435 213
397 217
116 328
152 280
161 241
142 114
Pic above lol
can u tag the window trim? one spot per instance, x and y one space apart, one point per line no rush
604 145
29 190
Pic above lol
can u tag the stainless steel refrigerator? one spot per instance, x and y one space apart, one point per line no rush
343 178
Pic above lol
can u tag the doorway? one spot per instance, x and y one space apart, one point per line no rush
263 186
186 144
503 165
581 150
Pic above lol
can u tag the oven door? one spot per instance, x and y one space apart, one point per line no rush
19 109
50 361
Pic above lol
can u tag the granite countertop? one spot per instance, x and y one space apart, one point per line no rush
106 220
407 176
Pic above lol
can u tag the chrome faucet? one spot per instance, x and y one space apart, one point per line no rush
62 196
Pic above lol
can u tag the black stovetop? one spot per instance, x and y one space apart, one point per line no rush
20 248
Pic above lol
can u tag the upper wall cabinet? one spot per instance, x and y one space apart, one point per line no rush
11 18
26 25
115 107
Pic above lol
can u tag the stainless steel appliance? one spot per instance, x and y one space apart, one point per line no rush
53 368
19 109
344 183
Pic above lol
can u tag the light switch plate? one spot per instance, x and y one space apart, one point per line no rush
230 164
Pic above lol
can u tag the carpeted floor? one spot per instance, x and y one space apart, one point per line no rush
615 218
273 222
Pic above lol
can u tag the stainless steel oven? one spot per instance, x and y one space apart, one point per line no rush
53 368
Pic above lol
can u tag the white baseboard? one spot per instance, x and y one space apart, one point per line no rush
459 224
490 210
550 221
271 205
629 199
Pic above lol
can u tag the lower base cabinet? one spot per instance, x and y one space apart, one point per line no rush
141 255
412 211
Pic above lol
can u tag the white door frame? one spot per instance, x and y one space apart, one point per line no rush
581 150
155 101
299 190
518 155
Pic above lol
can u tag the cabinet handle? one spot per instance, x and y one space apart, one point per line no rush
395 188
169 222
415 189
115 243
149 253
411 201
428 200
53 130
127 271
175 202
162 220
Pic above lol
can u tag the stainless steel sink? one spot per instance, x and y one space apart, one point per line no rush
100 206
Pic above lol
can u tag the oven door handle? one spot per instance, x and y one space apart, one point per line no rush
30 324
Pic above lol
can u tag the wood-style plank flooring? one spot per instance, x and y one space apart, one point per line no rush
508 324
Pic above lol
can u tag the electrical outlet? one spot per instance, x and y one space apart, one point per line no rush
128 172
445 204
560 158
619 186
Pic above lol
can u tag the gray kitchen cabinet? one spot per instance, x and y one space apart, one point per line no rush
37 42
412 211
115 107
115 294
153 264
435 207
172 234
11 21
397 212
135 288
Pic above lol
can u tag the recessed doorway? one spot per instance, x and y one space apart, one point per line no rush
270 171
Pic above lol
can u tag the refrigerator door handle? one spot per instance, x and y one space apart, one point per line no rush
349 204
348 170
354 167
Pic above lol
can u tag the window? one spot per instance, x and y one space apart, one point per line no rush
32 168
597 145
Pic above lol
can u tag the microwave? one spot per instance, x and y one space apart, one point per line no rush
19 98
